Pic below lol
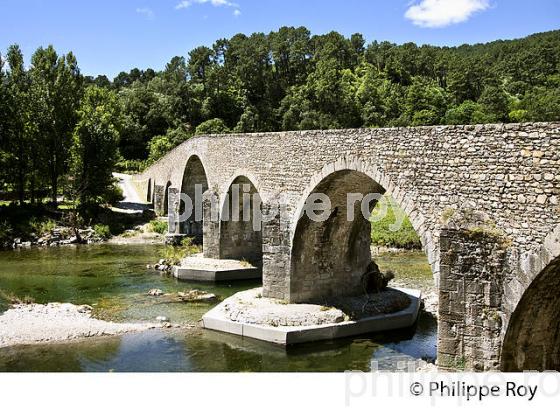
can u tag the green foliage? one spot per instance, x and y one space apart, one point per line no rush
542 104
131 165
6 232
213 126
174 254
41 227
102 231
13 299
158 226
159 146
94 152
392 228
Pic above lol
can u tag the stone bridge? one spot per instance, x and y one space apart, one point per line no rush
483 199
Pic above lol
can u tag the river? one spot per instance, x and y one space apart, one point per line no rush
114 280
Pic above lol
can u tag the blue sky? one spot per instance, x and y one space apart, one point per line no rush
111 36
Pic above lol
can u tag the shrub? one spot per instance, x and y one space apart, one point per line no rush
102 231
213 126
5 230
174 254
158 226
114 194
41 228
131 166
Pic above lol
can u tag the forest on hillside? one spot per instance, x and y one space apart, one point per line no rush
61 131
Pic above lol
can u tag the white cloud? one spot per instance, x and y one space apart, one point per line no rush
216 3
441 13
237 12
146 12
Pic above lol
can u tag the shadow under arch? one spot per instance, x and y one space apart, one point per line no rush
194 184
328 258
240 232
166 199
532 339
149 191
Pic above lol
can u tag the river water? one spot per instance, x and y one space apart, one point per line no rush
114 280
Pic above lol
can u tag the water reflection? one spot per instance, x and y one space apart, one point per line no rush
201 350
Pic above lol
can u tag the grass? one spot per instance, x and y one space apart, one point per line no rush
174 254
391 227
14 300
158 226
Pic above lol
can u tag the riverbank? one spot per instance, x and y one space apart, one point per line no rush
58 322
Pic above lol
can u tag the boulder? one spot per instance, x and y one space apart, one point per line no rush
197 296
155 292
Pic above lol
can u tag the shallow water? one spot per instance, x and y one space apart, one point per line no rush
114 279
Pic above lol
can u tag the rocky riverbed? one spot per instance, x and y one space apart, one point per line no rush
57 322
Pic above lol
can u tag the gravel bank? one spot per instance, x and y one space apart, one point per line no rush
57 322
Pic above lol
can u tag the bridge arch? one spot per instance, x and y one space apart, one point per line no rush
193 184
330 256
532 337
240 230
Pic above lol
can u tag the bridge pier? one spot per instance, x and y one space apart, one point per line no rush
211 224
159 198
276 253
473 266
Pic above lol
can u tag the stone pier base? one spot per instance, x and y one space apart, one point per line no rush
202 269
318 322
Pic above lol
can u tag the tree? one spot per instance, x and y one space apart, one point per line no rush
542 104
56 88
18 144
159 146
495 102
94 151
213 126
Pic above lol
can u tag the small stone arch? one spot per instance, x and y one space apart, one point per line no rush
238 237
238 174
194 183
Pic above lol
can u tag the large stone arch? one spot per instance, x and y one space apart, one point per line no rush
532 339
194 184
240 238
532 330
328 258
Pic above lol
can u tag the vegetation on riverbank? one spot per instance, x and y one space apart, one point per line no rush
42 225
172 255
391 227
